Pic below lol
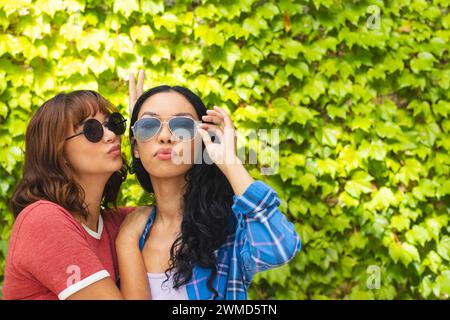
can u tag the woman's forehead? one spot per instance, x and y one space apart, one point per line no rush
100 116
166 104
157 115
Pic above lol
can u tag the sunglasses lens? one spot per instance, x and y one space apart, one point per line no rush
93 130
182 127
146 128
116 123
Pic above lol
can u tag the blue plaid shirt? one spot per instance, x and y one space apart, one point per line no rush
263 239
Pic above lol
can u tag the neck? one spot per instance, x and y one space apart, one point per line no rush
93 188
169 198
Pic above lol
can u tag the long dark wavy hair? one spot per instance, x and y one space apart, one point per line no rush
46 174
207 218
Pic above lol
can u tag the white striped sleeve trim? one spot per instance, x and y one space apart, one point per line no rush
63 295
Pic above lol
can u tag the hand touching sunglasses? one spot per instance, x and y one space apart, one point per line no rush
93 129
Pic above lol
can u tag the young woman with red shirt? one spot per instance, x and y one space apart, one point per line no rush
67 229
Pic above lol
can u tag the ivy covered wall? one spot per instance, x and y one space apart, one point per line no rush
359 91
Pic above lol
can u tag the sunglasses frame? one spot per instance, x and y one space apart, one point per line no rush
168 126
103 124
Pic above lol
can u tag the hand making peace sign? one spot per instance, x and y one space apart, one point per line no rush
135 90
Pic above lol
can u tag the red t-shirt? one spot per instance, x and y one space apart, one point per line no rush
51 255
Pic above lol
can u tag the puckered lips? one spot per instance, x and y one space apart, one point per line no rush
164 154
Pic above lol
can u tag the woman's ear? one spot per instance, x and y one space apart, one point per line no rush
64 159
134 147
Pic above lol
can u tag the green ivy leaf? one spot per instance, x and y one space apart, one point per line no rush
209 36
426 188
382 199
426 287
410 171
360 183
405 253
330 136
254 25
315 87
277 276
433 261
225 57
126 7
442 285
423 62
443 248
418 234
400 223
299 69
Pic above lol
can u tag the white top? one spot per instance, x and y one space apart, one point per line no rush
97 235
165 291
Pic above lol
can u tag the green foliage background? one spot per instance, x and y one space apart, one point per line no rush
363 114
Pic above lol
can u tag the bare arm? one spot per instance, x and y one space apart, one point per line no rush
133 274
104 289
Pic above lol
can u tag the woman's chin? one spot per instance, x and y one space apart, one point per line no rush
115 165
168 170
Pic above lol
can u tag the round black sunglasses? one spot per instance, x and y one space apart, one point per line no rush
93 129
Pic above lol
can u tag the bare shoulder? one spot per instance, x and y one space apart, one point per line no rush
143 209
140 211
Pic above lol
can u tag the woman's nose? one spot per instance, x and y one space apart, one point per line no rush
108 135
165 136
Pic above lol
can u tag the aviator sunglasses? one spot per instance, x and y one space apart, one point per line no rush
181 127
93 129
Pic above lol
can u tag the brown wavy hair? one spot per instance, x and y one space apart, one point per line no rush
46 173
